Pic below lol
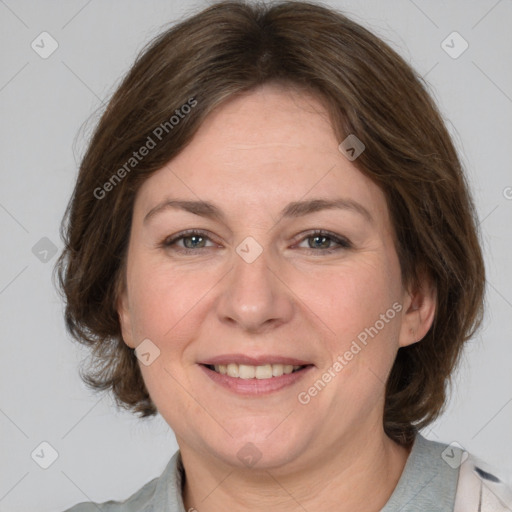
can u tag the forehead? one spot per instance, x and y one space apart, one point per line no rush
265 148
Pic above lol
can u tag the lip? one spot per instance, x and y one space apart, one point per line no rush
256 387
254 360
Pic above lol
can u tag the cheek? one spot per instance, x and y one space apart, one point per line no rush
352 297
162 304
360 304
164 298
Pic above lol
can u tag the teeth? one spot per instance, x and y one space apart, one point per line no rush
263 372
244 371
277 370
232 370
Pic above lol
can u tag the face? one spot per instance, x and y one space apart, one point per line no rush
261 283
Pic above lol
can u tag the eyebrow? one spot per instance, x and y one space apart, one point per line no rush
291 210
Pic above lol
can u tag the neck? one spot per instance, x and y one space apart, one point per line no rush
354 476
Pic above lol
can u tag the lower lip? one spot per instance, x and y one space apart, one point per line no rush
255 386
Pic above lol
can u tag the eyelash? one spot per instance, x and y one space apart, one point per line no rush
342 242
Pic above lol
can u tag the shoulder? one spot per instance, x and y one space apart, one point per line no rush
161 493
140 501
443 477
480 489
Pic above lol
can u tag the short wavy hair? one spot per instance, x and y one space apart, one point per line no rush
230 48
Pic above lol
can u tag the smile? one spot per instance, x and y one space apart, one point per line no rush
248 380
245 371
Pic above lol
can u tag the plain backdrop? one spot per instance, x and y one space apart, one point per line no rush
96 451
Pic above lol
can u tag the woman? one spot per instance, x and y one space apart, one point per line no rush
272 244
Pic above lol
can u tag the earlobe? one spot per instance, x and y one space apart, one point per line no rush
419 312
123 312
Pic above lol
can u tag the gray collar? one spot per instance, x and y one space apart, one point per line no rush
428 481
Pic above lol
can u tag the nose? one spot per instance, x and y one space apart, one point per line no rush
254 296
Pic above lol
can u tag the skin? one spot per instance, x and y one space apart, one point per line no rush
251 157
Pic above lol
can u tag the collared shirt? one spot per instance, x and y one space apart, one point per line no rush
436 478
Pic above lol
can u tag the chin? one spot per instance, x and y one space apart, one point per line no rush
265 449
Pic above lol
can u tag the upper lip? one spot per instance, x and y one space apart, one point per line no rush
253 361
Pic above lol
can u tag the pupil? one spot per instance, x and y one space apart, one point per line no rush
191 246
323 238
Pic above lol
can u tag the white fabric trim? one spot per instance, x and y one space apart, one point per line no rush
477 493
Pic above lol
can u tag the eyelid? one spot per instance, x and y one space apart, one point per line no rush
342 241
171 240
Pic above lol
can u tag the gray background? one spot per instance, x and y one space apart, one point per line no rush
104 453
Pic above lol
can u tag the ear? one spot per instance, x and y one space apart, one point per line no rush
419 307
123 311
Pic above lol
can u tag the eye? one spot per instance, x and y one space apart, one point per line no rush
192 240
322 240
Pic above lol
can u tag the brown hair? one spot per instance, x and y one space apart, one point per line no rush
230 48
